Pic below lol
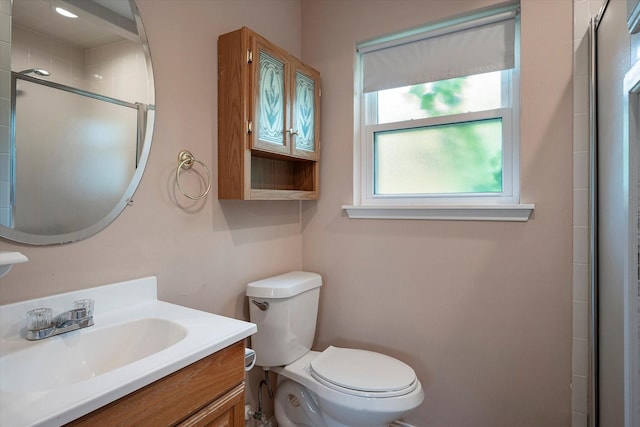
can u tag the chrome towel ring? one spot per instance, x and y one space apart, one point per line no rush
185 161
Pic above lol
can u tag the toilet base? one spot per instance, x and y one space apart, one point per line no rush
296 406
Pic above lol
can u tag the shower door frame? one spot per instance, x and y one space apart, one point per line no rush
631 154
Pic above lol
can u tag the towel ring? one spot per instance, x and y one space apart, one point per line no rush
186 161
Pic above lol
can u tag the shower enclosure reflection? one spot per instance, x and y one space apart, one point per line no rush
75 164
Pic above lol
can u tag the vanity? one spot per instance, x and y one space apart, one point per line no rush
144 361
207 392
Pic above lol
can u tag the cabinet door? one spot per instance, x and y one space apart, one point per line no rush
227 411
206 388
305 111
271 98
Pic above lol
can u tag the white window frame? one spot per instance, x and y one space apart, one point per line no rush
508 195
503 207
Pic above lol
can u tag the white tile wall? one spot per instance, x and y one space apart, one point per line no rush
118 70
33 50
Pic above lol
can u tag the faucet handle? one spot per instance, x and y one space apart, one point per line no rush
87 304
39 318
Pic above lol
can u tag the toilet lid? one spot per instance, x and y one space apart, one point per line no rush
363 372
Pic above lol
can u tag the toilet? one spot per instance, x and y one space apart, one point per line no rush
337 387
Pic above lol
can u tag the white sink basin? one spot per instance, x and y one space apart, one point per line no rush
135 341
81 355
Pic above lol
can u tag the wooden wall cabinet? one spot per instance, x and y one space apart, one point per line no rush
209 392
268 121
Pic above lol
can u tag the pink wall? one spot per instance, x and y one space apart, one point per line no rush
481 310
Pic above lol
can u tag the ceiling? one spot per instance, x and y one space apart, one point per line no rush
99 22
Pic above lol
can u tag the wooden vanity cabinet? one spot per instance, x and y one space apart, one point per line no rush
268 121
209 392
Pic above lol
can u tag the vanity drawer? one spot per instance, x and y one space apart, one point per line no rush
177 396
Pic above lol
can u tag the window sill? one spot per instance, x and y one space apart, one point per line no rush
511 213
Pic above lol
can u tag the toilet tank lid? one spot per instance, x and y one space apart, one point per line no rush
284 285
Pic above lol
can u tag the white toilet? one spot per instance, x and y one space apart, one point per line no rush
339 387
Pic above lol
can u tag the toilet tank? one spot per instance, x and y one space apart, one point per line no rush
285 309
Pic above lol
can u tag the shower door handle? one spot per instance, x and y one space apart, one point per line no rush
263 306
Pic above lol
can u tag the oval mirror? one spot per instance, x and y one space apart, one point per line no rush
82 114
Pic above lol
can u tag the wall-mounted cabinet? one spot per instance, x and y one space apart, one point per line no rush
268 121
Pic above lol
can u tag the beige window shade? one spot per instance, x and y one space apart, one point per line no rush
472 47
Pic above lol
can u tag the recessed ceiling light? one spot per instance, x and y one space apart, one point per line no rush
65 12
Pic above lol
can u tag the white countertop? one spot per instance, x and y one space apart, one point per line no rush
114 304
9 258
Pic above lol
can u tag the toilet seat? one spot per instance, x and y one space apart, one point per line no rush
363 373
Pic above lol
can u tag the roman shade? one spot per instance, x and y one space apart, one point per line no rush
440 52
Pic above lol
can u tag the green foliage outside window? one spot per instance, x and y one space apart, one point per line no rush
463 157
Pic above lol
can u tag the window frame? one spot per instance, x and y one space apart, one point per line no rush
477 206
508 194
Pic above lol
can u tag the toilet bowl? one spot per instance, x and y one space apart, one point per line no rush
359 400
338 387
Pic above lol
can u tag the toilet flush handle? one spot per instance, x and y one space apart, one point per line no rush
263 306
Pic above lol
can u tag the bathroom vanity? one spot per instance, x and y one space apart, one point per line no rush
209 392
143 361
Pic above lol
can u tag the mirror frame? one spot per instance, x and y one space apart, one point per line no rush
127 197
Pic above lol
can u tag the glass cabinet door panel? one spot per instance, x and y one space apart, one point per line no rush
304 113
305 110
271 103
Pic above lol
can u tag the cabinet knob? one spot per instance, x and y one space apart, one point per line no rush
290 131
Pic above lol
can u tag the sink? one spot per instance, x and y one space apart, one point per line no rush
81 355
135 341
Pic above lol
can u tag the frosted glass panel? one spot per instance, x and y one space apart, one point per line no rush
304 124
271 100
74 158
453 158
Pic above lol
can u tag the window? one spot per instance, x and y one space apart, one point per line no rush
438 115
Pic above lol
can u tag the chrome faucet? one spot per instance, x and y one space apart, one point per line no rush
40 324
